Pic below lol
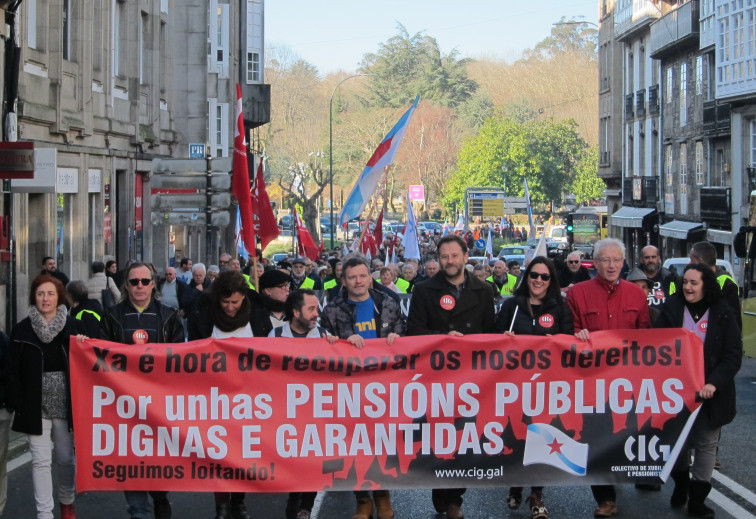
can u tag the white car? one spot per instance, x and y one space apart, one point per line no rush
677 265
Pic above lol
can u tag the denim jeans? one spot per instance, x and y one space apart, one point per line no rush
139 503
43 454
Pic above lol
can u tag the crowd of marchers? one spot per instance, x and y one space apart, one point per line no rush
450 295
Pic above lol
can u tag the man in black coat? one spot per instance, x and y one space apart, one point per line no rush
141 319
454 303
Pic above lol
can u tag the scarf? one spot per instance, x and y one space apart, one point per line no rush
47 332
273 305
225 322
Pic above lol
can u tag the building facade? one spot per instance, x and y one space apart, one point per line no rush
106 89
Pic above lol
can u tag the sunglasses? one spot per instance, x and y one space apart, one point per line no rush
573 261
135 281
536 275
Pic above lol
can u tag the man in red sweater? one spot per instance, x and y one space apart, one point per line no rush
607 303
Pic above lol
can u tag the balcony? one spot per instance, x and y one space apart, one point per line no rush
640 103
639 192
676 29
256 105
629 113
653 100
716 118
630 16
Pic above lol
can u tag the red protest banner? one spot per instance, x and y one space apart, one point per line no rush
482 410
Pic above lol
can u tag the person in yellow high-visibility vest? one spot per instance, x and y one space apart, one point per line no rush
504 281
704 252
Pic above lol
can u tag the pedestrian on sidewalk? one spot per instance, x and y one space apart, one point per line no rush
40 393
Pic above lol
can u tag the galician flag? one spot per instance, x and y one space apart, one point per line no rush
460 224
548 445
368 180
489 245
237 237
532 230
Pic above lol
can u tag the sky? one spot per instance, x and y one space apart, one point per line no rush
333 35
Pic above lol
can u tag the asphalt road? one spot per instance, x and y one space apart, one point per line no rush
734 494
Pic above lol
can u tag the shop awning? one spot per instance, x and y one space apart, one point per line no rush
679 229
630 216
719 236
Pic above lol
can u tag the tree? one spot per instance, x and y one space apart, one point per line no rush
406 66
545 152
587 185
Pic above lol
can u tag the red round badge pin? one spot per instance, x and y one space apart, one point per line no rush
139 337
447 302
546 320
659 294
702 325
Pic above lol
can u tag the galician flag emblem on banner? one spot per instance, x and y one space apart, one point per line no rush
548 445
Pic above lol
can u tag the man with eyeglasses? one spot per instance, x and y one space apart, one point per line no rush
606 303
573 271
274 289
141 319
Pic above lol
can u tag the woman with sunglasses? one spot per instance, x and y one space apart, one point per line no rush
535 308
701 308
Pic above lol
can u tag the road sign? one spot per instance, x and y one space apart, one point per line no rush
417 193
480 243
196 151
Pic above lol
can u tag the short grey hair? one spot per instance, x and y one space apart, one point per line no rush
608 242
212 268
198 266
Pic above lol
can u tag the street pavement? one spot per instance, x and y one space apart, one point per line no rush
734 494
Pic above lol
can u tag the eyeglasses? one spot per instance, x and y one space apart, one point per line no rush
536 275
607 261
285 286
135 281
573 261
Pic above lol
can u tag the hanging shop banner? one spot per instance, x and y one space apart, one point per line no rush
277 414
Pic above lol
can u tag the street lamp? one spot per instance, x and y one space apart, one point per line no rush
330 144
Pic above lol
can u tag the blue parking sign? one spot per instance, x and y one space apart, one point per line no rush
196 151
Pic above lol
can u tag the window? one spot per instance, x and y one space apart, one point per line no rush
683 94
117 17
253 67
700 175
218 39
668 166
143 25
699 75
67 20
683 178
753 142
218 128
31 23
669 86
683 169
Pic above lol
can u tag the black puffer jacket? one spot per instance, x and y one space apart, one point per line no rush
25 368
339 316
552 318
723 354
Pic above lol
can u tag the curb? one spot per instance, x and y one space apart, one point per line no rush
17 445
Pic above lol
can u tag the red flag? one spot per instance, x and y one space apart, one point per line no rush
266 221
240 179
378 231
306 245
368 245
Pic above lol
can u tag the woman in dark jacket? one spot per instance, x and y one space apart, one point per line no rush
224 311
39 391
700 308
537 308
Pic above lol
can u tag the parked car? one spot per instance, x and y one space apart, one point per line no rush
508 251
677 265
286 222
433 227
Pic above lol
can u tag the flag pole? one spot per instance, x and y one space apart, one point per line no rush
372 208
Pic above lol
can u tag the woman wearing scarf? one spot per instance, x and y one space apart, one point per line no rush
536 308
224 312
700 308
40 393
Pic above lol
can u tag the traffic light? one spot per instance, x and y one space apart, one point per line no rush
570 229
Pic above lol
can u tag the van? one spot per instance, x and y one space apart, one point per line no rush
558 233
